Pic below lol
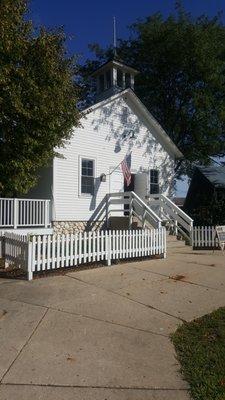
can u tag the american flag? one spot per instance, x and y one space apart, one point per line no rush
125 166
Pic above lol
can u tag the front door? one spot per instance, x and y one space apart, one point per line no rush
116 185
116 182
141 184
130 187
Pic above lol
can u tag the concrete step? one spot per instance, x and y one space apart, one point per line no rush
171 238
139 224
121 223
173 242
178 243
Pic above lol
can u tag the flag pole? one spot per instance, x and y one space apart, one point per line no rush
117 165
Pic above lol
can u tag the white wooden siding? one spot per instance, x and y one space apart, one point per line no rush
101 137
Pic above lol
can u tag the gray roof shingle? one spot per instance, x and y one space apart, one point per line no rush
215 174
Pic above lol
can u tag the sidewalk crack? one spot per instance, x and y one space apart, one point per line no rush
92 318
25 344
128 298
144 388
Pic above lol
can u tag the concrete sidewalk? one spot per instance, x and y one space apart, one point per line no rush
104 333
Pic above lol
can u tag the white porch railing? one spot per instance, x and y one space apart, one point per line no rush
170 212
122 204
136 207
16 213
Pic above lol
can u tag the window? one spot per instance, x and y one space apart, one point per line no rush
119 78
127 80
101 83
154 181
108 79
87 176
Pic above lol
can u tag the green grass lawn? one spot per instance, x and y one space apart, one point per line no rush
200 347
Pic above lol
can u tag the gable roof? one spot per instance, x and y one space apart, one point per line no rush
215 175
150 121
115 62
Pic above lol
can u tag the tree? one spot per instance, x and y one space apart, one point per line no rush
182 78
38 97
210 212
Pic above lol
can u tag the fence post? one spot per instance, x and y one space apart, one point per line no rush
2 245
175 227
191 235
214 238
130 211
107 211
15 213
46 213
160 207
164 242
108 238
29 258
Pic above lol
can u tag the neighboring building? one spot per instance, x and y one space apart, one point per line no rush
205 201
179 201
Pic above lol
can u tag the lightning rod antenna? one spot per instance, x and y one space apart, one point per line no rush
114 37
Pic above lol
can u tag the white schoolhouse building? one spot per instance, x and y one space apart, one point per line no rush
85 189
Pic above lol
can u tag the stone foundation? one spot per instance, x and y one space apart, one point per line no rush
65 227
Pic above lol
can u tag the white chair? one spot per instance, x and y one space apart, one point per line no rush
220 234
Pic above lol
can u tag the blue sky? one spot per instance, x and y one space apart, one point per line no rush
90 21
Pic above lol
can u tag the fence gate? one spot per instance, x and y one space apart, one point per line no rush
15 250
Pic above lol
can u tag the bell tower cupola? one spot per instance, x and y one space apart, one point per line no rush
113 76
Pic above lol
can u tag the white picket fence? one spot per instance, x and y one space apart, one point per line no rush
204 236
37 253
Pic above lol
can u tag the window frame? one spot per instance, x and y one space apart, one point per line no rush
152 183
81 158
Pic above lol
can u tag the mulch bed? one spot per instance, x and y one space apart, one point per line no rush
17 273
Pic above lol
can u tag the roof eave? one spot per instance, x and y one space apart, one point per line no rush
116 64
